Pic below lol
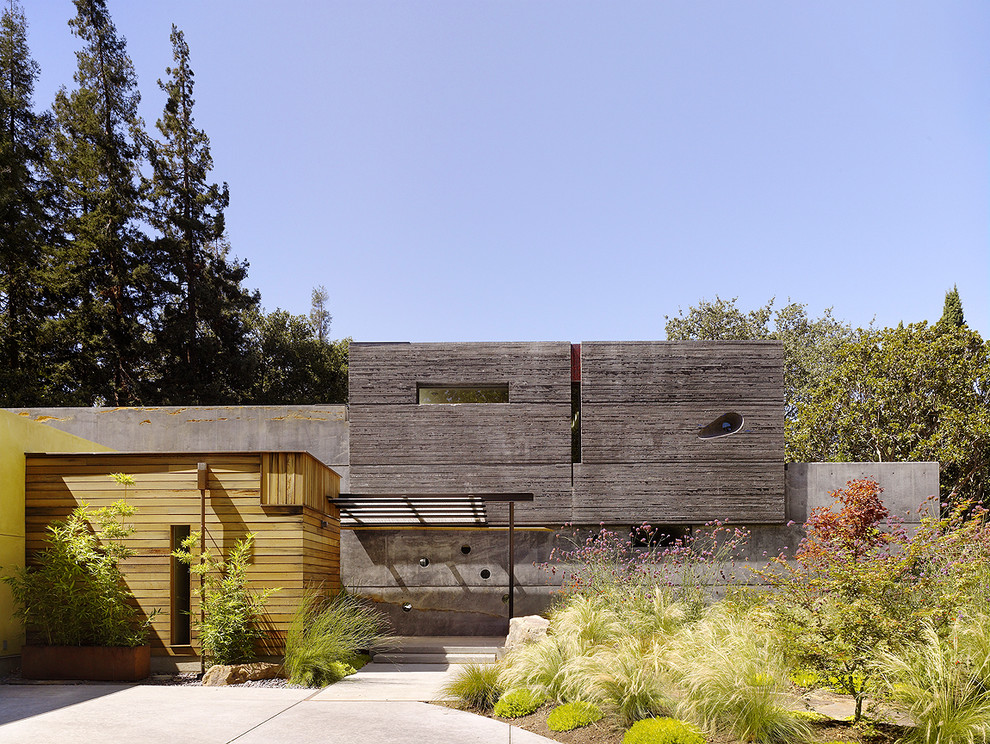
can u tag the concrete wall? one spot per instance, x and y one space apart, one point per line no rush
450 597
320 430
644 407
19 435
907 486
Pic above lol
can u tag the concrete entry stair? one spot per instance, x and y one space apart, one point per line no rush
441 650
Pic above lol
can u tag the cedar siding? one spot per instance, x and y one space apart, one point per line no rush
280 497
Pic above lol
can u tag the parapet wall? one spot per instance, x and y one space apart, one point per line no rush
320 430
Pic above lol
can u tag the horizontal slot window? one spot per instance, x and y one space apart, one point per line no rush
432 394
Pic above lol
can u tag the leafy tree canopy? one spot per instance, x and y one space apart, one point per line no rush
293 366
914 393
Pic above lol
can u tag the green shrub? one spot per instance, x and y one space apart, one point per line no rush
573 715
74 593
326 632
519 702
662 731
475 685
232 613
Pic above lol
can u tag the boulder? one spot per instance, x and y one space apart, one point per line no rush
525 630
234 674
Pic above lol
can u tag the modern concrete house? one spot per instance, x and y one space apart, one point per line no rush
442 445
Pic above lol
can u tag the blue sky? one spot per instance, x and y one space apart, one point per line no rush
543 170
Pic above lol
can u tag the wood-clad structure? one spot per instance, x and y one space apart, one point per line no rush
285 499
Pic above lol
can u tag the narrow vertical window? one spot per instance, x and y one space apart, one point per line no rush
181 594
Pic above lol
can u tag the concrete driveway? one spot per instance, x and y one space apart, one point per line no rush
380 704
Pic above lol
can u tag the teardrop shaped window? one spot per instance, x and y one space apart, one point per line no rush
730 423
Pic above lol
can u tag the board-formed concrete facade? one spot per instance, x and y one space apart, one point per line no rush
642 408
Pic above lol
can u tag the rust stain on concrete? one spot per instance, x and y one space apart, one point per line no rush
42 419
146 421
297 417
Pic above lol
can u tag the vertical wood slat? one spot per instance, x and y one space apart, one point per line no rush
297 479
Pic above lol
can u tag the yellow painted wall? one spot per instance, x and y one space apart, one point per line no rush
18 435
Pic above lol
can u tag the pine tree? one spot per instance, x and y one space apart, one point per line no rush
202 335
319 316
108 275
952 312
24 216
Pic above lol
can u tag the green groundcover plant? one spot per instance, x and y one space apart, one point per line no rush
73 592
574 715
662 731
519 702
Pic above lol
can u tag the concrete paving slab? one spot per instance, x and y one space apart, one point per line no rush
163 715
24 701
315 722
114 714
383 681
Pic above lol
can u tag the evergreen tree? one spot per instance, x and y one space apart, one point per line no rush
319 316
24 213
108 276
952 312
202 334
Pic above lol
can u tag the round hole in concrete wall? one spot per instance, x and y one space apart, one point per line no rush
407 607
485 573
424 562
465 549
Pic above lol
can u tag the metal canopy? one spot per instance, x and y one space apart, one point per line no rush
419 509
427 509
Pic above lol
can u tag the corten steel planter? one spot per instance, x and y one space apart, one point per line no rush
104 663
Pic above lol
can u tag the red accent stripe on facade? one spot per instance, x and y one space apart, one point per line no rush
575 362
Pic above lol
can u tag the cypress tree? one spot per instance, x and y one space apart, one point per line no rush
24 217
202 334
952 312
109 277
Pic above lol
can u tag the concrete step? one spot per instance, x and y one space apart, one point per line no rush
439 658
441 650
